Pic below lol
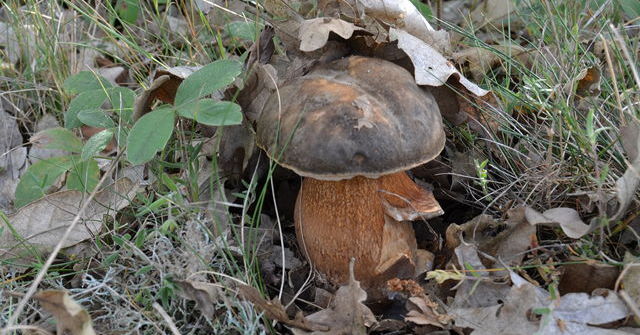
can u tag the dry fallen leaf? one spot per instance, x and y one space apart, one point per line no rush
431 68
573 313
403 14
205 295
585 276
314 33
567 218
588 82
42 223
164 87
70 315
346 315
424 311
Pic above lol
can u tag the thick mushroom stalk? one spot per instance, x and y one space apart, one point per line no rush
363 218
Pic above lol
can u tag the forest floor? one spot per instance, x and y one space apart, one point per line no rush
124 210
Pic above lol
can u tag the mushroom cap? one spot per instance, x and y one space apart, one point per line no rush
356 116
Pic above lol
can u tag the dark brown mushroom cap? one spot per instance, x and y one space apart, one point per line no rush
356 116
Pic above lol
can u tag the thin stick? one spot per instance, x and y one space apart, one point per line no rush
54 253
166 318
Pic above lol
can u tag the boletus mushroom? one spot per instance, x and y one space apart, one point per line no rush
352 128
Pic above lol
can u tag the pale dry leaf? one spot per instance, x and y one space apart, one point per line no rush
424 311
491 11
567 218
346 314
42 223
573 313
13 159
480 288
70 315
112 74
273 309
627 185
314 33
206 295
402 14
431 68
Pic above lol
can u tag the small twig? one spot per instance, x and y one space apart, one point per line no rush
166 318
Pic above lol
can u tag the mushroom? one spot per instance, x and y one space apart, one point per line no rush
352 128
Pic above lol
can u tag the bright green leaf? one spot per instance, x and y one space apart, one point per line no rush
85 81
86 100
96 143
206 80
128 10
83 175
149 135
95 117
39 177
57 139
212 113
423 8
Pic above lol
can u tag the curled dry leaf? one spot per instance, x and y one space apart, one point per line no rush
588 82
567 218
164 87
70 315
424 311
42 223
346 315
431 68
205 295
314 33
401 13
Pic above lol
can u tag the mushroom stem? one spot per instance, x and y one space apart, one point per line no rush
362 218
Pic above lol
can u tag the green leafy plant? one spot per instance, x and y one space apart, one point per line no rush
143 138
